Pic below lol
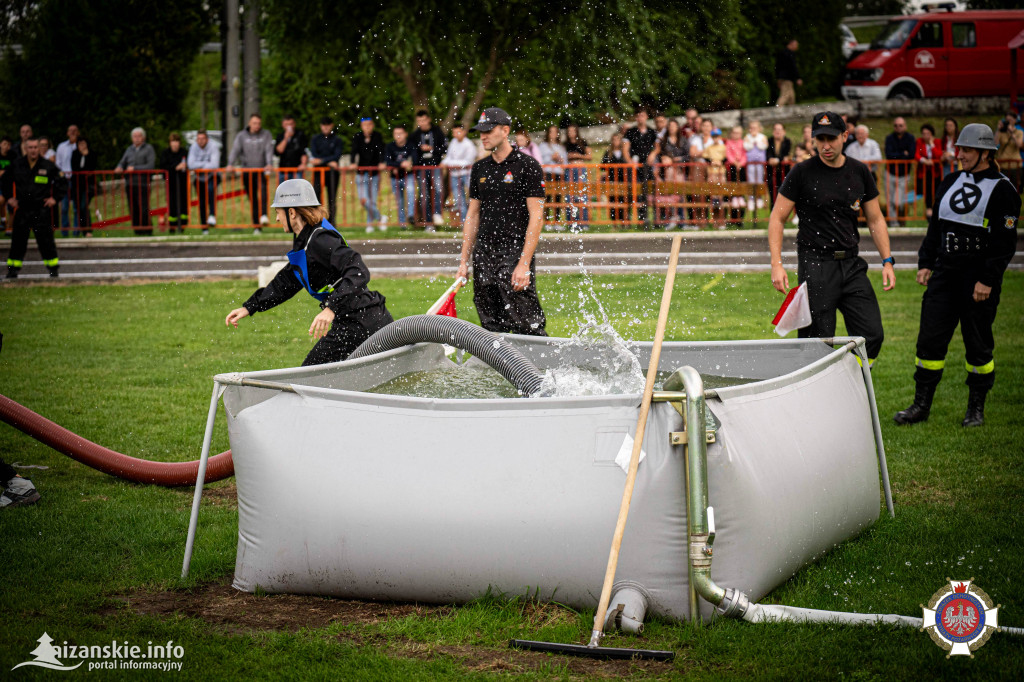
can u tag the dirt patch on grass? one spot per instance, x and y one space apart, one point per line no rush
223 495
236 612
507 660
222 605
914 492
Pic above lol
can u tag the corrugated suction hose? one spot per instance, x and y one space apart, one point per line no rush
110 462
485 345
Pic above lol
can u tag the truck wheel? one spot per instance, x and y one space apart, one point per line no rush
904 91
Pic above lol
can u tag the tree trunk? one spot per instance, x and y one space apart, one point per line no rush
411 77
493 62
457 100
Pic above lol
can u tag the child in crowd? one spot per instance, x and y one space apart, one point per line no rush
736 164
714 154
756 145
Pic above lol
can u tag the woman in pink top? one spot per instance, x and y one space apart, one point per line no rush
735 163
527 146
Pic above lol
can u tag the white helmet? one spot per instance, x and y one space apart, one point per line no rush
294 193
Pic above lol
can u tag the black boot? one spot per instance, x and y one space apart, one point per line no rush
921 407
12 272
975 415
55 271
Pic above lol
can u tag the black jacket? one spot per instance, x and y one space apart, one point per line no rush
33 185
83 182
439 143
785 66
329 261
367 153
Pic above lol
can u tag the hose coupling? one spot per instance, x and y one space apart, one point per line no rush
734 604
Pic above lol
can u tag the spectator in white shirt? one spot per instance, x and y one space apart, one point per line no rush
63 161
459 161
552 153
204 157
864 148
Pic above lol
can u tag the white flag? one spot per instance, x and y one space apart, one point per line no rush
795 312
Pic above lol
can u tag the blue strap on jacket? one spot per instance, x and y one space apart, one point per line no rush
298 259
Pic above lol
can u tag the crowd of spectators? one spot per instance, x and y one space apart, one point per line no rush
676 164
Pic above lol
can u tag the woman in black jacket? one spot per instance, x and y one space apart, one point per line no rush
172 163
83 184
329 270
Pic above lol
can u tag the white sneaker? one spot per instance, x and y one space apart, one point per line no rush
750 204
438 220
212 220
369 229
257 231
760 203
383 221
264 220
205 231
19 492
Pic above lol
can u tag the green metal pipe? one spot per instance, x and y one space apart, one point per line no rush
701 535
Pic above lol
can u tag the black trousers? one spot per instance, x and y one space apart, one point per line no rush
501 308
841 285
177 199
206 190
81 197
136 187
41 222
347 333
947 302
256 189
331 182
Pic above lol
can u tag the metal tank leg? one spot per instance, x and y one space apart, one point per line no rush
201 478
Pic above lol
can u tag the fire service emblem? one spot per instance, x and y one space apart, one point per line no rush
960 617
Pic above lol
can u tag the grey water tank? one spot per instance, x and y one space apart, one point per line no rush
370 496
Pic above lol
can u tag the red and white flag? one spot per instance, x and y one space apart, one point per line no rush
795 312
446 304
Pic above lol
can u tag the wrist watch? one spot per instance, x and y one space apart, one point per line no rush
890 259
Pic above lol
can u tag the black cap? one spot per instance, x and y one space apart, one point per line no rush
490 118
827 123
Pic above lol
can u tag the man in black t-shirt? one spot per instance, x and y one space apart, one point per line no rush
829 191
640 141
290 148
501 231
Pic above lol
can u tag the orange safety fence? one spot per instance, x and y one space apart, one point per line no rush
576 195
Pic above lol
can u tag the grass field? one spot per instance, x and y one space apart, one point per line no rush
129 367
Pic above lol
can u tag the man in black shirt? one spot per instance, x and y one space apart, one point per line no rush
639 145
429 147
787 73
325 150
501 231
829 191
900 146
290 148
367 151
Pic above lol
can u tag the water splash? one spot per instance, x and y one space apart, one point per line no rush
595 361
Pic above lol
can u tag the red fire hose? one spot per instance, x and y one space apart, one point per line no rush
109 462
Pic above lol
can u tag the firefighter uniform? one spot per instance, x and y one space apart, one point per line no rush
334 274
972 236
31 185
828 202
502 189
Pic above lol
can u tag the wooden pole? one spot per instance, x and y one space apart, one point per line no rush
638 440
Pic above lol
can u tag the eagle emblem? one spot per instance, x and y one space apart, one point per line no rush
960 618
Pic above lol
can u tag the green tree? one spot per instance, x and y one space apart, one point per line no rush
107 66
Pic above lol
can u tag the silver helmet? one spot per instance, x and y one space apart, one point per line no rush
294 193
977 136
